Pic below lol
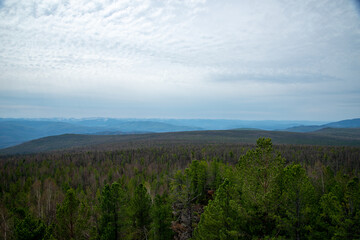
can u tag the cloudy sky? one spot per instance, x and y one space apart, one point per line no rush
240 59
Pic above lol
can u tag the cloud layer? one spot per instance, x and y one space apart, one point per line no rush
211 59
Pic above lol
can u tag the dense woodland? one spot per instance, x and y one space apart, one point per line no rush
228 191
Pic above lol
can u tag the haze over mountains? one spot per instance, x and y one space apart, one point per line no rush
350 123
17 131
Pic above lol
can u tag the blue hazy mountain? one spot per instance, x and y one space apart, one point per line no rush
350 123
199 124
16 131
224 124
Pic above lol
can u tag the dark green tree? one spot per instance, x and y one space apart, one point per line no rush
215 174
70 223
197 172
140 213
297 200
331 215
161 215
259 172
221 218
188 188
182 198
349 227
113 222
30 228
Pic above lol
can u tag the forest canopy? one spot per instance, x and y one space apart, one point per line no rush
208 192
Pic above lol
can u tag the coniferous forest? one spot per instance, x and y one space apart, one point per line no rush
213 191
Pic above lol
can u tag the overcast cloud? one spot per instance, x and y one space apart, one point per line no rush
273 59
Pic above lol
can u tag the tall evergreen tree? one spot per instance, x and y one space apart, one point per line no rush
30 228
113 212
182 197
259 171
67 216
140 206
161 214
221 218
349 227
197 172
331 215
297 200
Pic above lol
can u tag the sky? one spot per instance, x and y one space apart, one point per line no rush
233 59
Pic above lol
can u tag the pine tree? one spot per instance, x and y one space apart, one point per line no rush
182 201
113 222
197 172
30 228
297 200
140 206
259 171
161 214
67 216
331 215
349 228
221 218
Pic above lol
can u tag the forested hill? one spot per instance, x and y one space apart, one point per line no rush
181 192
327 136
17 131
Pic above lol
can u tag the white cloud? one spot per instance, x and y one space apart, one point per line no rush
164 51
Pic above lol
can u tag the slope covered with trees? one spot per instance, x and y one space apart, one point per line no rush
70 142
183 191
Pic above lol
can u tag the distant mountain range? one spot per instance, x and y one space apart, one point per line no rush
17 131
350 123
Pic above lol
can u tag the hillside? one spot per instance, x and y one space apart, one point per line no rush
16 131
339 137
350 123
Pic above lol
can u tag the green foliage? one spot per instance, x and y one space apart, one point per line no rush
215 173
30 228
349 227
71 224
179 185
331 213
140 213
113 222
262 198
297 200
161 215
352 196
259 172
197 172
221 218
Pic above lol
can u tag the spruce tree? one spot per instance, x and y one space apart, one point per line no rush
349 227
161 214
258 177
297 200
221 218
29 228
113 222
140 206
67 216
197 172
